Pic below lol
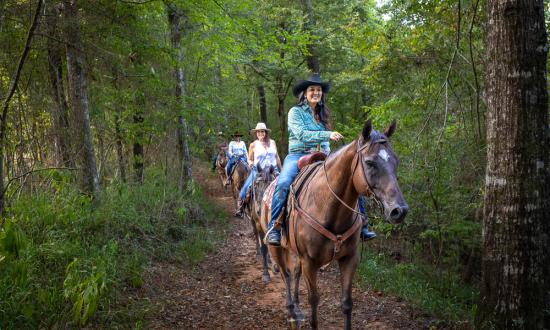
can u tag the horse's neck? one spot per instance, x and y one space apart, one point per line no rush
333 214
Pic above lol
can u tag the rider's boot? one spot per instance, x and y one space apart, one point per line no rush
366 234
240 208
273 236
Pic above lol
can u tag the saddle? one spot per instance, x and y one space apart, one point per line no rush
310 159
309 165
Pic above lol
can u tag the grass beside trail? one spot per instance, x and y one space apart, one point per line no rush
441 294
65 260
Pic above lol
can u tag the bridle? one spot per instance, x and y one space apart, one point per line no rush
337 239
359 159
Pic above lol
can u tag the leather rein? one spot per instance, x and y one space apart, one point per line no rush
337 239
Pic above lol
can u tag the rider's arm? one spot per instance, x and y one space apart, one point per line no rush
298 125
251 154
279 164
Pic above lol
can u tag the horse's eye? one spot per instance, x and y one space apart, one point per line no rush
370 163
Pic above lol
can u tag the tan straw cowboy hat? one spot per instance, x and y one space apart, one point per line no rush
260 127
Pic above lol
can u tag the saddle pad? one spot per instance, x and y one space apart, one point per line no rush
268 194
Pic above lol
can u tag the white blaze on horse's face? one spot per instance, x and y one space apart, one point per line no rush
384 155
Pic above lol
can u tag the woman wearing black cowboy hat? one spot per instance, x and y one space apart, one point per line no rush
236 151
309 130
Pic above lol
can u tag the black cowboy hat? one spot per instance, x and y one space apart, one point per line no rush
236 133
314 79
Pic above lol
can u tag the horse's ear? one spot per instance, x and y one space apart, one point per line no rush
271 169
258 168
367 130
390 129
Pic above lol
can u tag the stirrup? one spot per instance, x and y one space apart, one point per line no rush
273 237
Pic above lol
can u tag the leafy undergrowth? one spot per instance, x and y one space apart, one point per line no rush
442 294
65 259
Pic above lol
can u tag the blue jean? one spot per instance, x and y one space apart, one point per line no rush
232 161
248 182
361 202
288 173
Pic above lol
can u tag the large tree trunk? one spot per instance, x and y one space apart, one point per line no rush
515 268
60 113
263 104
176 20
78 96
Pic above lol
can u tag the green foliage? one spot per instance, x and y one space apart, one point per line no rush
62 261
440 293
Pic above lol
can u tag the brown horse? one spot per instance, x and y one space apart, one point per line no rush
252 211
322 224
221 162
238 176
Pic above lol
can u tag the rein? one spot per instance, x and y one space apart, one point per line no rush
337 239
359 157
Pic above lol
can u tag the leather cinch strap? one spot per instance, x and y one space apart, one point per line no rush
338 240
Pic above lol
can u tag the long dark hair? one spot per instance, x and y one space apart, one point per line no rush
321 111
267 139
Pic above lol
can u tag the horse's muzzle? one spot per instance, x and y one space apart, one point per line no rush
398 214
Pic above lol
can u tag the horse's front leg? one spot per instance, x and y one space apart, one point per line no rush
310 274
280 257
258 240
265 274
348 265
297 275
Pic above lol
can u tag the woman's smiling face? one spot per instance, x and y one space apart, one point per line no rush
314 93
260 134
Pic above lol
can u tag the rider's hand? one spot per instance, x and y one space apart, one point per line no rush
336 136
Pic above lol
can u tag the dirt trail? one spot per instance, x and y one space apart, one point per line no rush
226 291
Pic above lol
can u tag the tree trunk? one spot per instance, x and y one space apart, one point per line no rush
312 59
60 117
78 96
281 114
515 272
139 156
5 106
176 20
263 104
119 139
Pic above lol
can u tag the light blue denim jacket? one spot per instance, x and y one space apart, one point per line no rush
304 134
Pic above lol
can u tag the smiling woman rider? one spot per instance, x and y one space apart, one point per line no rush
309 130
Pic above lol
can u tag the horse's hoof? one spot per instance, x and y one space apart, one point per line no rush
266 278
274 268
299 316
293 324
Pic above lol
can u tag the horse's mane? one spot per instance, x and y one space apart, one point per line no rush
374 136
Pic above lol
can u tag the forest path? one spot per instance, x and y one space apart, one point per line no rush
225 291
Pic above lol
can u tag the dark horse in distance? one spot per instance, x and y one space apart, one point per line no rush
252 211
322 224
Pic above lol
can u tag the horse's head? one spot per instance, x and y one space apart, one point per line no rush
377 172
263 179
222 157
266 174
